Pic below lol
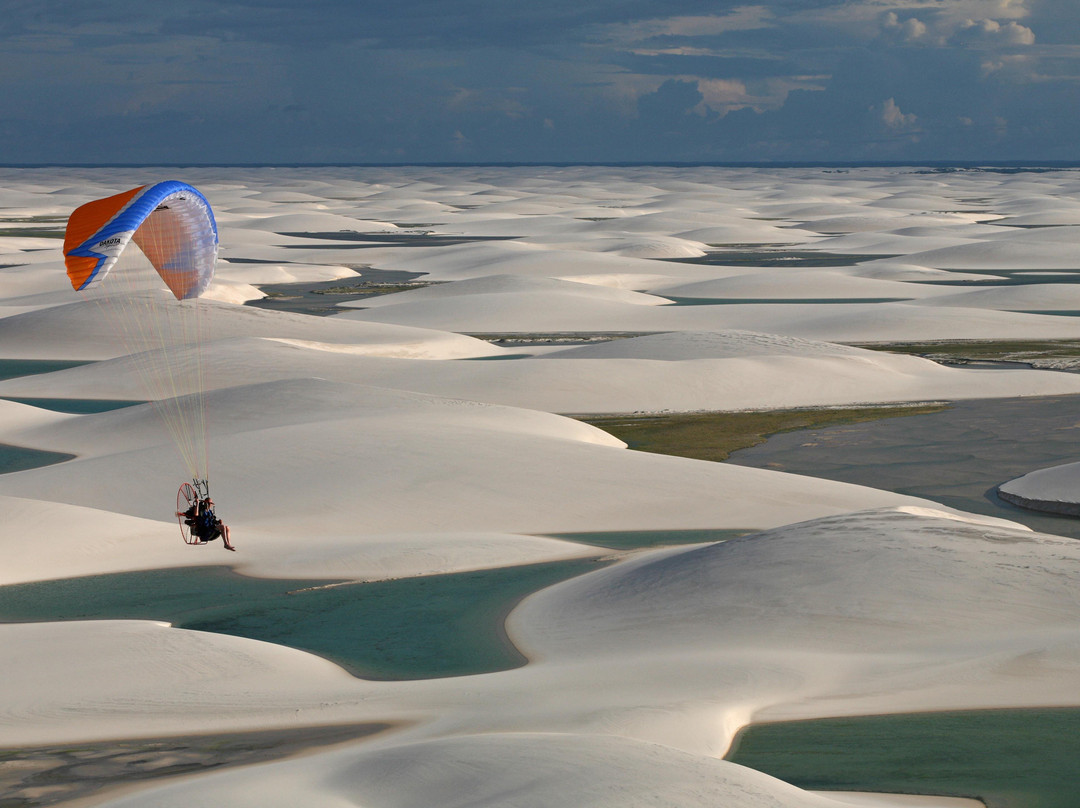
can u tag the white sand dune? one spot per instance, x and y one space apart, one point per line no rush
256 243
876 612
800 284
897 270
35 279
269 272
237 408
870 221
486 770
466 261
904 242
84 541
514 289
286 196
97 541
317 223
1055 216
686 345
745 232
1041 236
82 330
1044 297
1055 489
898 322
370 471
838 322
885 568
94 536
633 246
141 678
383 442
679 371
1001 254
16 417
775 624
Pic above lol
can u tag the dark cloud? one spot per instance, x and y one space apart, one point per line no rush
1055 22
479 80
415 23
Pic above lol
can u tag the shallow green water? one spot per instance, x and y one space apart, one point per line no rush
19 458
1009 277
75 406
413 628
956 457
1007 758
313 298
13 368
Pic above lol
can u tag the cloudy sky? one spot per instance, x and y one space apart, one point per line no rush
297 81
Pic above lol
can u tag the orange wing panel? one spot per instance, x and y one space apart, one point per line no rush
79 269
84 221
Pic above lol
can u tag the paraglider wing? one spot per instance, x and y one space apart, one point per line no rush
172 224
122 253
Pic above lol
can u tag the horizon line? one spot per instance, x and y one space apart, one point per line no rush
580 163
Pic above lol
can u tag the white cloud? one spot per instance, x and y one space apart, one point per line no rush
992 32
946 23
679 51
911 29
921 22
724 95
1017 34
893 118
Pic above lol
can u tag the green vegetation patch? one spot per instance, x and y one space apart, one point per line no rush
50 775
411 628
1006 758
715 435
31 232
372 289
985 350
779 258
555 337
